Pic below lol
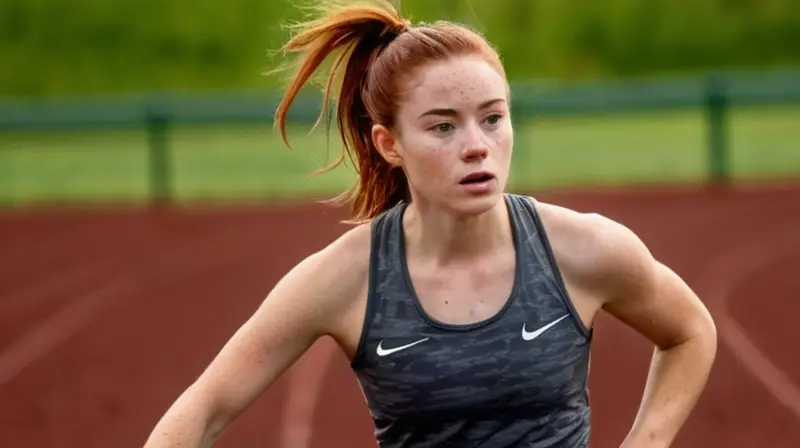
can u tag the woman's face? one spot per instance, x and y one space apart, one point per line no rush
453 135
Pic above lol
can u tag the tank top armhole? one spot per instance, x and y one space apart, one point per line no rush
372 297
530 204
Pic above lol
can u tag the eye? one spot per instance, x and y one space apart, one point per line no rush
443 127
494 119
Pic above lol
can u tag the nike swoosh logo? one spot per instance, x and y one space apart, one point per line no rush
529 336
388 351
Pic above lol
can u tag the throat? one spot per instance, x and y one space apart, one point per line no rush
461 271
445 240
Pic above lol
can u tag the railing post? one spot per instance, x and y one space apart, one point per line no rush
717 103
159 169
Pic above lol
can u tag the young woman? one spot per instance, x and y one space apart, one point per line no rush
466 311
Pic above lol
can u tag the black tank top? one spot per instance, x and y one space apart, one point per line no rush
517 379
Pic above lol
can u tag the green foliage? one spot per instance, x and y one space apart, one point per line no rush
56 47
574 39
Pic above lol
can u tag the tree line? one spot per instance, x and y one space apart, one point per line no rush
57 47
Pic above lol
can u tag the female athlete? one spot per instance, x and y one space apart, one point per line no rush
466 311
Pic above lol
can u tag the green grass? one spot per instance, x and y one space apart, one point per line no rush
655 148
250 161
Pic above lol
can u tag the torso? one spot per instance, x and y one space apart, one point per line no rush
473 372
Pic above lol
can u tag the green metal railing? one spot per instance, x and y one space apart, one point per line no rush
715 94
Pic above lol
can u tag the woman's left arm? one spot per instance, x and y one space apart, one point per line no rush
652 299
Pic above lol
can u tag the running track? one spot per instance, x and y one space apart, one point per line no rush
107 315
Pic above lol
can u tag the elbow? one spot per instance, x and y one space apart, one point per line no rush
713 338
703 330
210 411
703 338
708 330
699 336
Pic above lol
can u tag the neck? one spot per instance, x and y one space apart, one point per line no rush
442 237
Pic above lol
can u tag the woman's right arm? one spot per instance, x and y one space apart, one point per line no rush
302 306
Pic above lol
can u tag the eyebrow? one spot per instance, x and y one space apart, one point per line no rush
452 112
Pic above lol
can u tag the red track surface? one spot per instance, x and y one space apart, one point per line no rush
106 316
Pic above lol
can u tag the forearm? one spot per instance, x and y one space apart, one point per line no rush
676 379
186 424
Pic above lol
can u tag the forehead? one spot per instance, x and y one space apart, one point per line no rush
458 82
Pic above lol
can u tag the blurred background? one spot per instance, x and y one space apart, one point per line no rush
130 99
107 313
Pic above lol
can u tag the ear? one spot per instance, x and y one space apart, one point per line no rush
387 144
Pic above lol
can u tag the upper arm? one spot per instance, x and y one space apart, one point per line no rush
644 293
301 307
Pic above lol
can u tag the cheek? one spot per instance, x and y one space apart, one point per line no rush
431 161
505 141
428 162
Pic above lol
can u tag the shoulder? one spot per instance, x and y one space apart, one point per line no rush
596 252
342 265
329 283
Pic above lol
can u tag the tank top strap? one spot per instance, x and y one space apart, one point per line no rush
537 254
384 264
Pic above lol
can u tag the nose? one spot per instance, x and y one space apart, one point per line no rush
474 147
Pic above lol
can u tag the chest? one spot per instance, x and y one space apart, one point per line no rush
461 294
492 369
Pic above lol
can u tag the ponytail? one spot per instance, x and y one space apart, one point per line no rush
358 33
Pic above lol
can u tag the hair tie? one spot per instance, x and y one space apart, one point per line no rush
406 26
391 33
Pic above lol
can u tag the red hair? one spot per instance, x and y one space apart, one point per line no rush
376 47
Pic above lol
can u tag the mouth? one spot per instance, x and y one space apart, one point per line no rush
476 178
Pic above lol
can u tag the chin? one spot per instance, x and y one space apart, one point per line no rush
475 205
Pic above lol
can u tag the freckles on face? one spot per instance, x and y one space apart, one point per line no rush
460 83
452 105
